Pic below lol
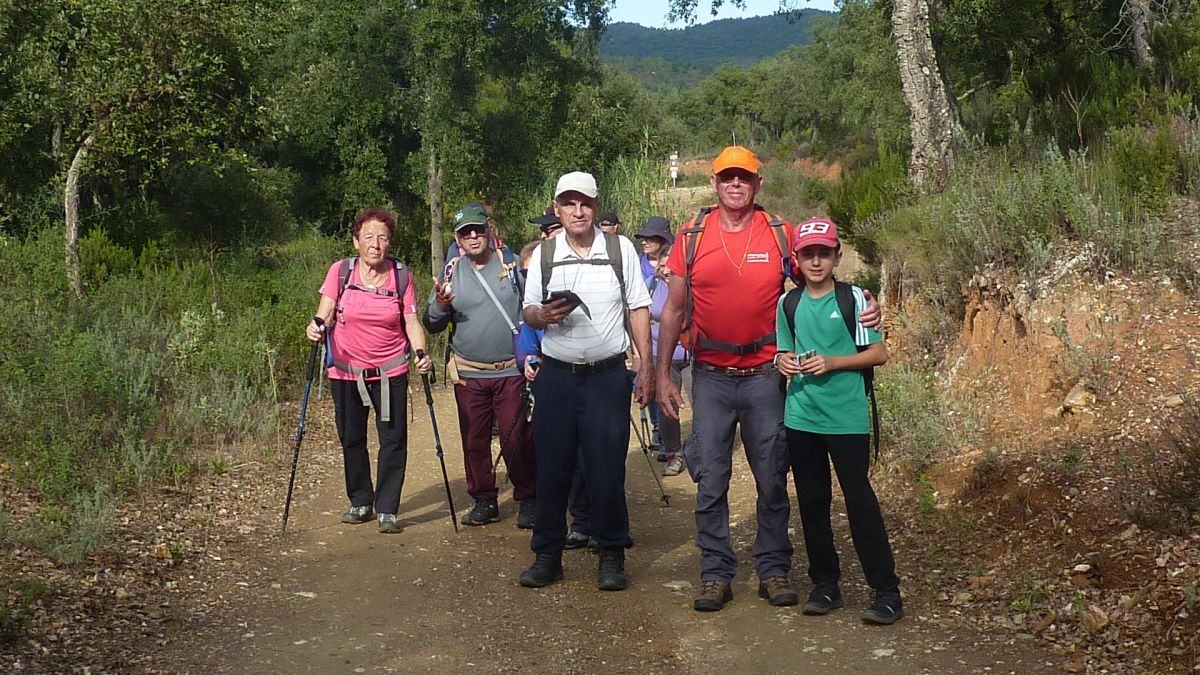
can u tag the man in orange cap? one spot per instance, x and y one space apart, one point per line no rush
727 268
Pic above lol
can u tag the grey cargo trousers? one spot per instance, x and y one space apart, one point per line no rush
720 404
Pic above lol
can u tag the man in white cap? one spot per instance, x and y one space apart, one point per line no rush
580 284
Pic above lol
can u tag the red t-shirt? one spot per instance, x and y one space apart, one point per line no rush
369 328
729 307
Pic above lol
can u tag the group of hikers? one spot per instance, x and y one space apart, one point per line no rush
539 353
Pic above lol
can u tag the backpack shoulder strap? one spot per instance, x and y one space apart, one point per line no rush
547 248
347 264
849 310
401 275
791 300
844 293
781 241
612 246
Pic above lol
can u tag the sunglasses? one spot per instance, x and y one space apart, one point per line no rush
472 231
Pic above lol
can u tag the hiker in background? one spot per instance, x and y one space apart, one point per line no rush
480 294
368 312
610 223
548 223
656 240
825 352
727 268
584 290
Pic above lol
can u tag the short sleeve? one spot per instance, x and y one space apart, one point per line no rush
636 295
863 336
784 340
533 279
329 288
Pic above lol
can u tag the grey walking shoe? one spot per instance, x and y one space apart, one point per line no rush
674 465
388 524
357 515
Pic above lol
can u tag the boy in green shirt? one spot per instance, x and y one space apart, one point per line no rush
826 418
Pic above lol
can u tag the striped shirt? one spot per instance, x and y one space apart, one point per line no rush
579 339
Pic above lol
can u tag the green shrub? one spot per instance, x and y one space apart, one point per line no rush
1146 164
913 425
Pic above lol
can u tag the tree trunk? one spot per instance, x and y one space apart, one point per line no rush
1139 16
71 208
931 119
437 251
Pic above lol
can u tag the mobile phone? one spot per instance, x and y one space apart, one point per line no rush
806 355
563 295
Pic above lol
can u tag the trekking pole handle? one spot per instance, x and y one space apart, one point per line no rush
420 353
312 355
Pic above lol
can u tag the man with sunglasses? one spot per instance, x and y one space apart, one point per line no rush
479 294
728 266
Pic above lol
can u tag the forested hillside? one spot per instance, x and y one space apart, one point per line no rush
178 176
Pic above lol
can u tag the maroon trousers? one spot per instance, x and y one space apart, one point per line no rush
480 402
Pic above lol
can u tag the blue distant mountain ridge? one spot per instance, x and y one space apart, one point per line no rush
706 46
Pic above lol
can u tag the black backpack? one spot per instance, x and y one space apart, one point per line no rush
844 293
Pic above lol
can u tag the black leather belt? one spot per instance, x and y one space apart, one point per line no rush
732 372
603 365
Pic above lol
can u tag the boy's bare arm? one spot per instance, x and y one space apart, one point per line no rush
875 355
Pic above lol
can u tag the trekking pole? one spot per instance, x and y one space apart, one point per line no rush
526 397
646 453
644 418
437 440
312 366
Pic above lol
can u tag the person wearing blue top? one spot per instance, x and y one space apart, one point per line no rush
656 239
826 418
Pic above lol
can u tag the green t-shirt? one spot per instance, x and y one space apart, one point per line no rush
836 402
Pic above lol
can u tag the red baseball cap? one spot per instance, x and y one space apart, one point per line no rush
815 232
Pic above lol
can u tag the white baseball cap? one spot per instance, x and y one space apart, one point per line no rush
577 181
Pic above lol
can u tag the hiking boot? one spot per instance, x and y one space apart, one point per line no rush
388 524
660 452
485 511
611 575
823 599
714 593
357 515
886 609
526 508
778 591
545 570
674 466
576 540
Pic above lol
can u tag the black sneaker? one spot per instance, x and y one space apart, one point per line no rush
611 576
545 570
660 452
485 511
526 508
886 609
823 599
357 515
576 540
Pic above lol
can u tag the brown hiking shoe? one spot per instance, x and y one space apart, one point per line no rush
714 593
778 591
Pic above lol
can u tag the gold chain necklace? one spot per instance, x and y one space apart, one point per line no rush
749 239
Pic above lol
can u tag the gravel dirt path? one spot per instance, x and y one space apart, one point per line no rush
328 597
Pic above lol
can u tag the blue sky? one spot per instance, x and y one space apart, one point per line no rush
653 12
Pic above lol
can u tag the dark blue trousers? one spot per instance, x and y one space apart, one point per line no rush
581 418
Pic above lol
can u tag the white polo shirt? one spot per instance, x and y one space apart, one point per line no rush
579 339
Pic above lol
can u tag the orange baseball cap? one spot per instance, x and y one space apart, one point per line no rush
736 157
